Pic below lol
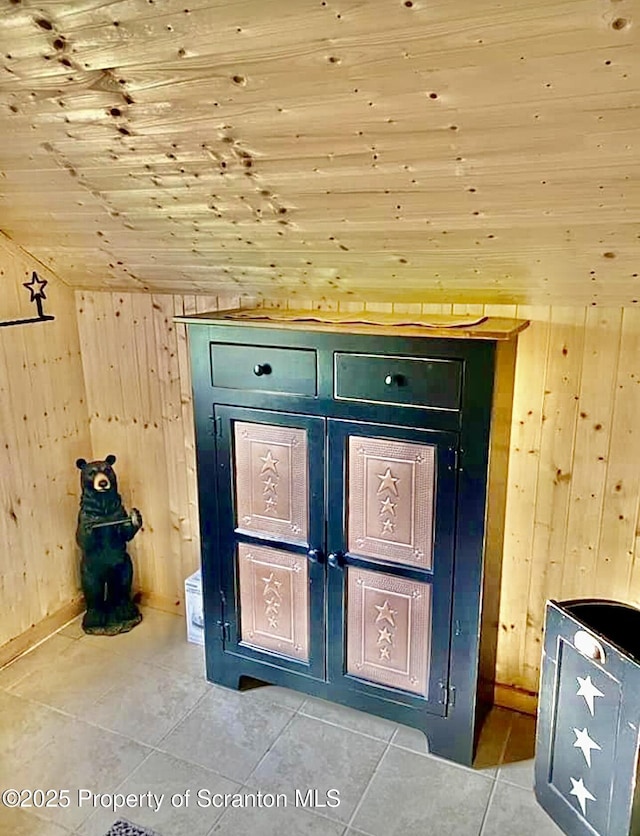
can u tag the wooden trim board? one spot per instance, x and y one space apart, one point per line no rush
515 699
40 631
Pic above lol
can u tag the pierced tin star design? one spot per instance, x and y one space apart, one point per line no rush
270 464
589 691
388 482
581 793
388 527
585 743
387 506
384 636
271 585
269 486
385 613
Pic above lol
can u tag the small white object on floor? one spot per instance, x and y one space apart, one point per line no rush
194 608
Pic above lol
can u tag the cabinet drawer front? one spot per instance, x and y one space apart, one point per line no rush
405 381
264 369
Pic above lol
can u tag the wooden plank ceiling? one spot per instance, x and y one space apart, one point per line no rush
425 150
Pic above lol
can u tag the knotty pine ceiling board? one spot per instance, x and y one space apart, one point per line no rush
455 151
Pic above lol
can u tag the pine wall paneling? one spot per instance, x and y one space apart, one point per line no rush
43 429
573 491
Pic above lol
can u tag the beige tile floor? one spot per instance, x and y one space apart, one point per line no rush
133 715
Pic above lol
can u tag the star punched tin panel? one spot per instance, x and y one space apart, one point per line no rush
271 480
391 500
388 630
274 601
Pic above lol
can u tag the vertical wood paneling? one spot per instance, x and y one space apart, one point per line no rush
590 460
553 477
523 465
622 485
44 428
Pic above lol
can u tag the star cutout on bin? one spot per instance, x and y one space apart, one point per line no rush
585 743
581 793
589 691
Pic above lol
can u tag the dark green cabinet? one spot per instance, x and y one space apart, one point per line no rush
346 545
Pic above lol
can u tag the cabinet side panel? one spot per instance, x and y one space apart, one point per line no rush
495 514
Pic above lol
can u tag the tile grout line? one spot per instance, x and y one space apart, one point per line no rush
243 784
370 781
270 747
485 815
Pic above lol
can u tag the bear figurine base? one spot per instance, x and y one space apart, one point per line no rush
106 570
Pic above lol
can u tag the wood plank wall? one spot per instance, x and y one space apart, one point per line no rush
136 368
43 429
574 485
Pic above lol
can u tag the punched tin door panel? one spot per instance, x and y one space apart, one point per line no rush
391 533
270 488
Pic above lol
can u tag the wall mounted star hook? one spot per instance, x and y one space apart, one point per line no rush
36 288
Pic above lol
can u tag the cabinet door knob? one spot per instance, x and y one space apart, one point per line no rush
261 368
389 380
315 556
336 560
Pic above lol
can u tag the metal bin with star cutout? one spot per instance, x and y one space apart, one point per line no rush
587 743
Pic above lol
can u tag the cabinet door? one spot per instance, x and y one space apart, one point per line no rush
270 471
392 494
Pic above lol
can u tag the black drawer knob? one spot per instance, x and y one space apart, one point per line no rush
261 368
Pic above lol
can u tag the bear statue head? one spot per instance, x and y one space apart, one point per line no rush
98 477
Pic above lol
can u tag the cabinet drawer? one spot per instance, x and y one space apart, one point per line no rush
404 381
263 368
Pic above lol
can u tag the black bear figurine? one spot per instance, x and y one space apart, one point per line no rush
106 569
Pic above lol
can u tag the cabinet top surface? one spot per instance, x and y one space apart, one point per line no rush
462 326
